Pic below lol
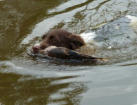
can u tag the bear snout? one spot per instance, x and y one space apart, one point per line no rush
36 48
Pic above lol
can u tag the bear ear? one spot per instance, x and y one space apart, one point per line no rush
44 36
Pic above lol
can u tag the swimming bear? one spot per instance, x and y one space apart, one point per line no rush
63 38
62 44
59 38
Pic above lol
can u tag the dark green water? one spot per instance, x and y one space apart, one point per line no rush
25 81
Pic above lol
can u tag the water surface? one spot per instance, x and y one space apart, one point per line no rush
26 81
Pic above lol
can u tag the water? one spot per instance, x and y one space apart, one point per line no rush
27 81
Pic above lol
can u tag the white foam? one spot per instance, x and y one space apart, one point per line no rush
88 37
89 48
133 18
133 22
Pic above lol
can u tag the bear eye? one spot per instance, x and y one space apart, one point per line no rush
51 37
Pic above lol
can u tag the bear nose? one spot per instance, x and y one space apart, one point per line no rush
36 48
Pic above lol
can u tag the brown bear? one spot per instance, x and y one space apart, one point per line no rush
59 38
65 45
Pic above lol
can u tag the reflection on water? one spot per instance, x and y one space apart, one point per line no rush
24 80
59 85
37 91
17 19
34 85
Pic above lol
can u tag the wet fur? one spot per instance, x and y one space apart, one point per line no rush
61 38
